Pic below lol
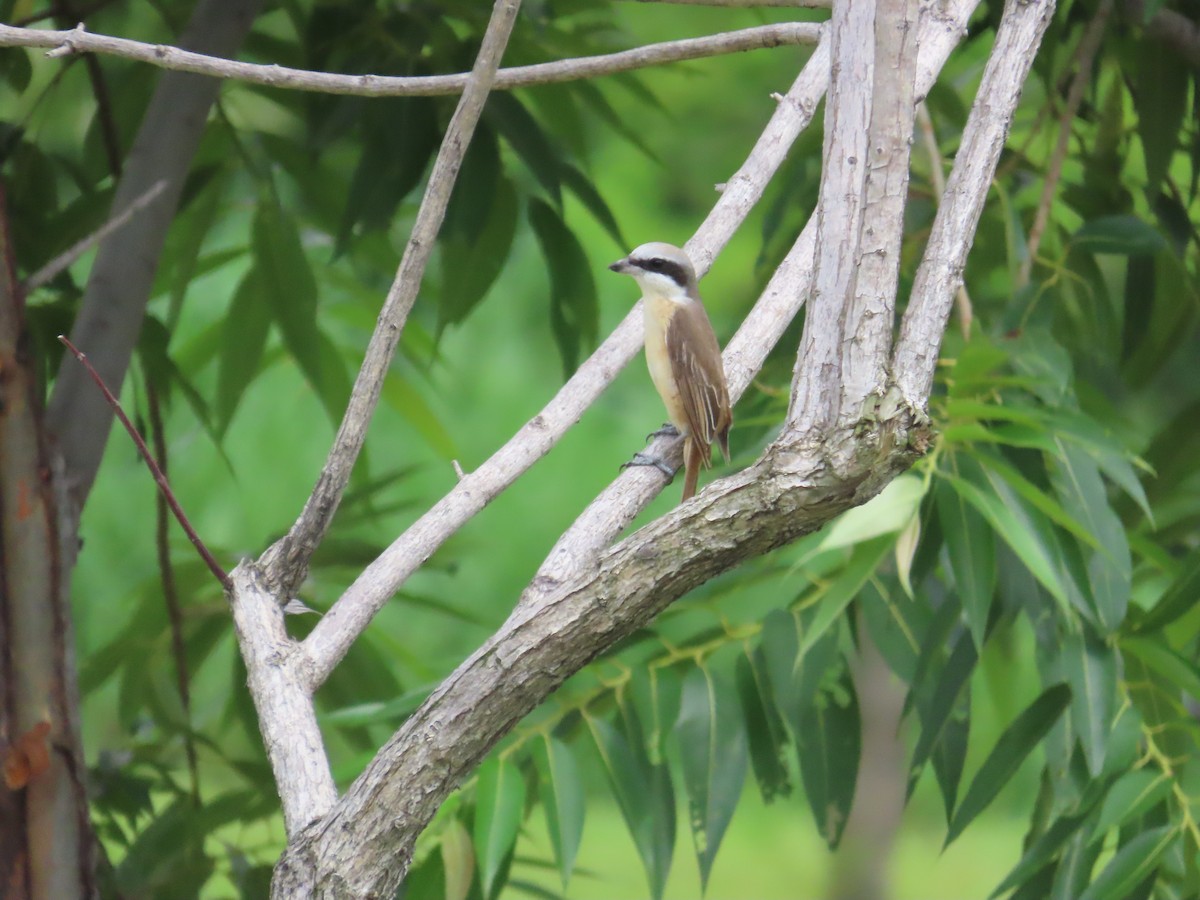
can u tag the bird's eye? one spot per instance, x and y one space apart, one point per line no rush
656 264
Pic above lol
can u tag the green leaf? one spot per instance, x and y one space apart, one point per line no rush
1177 600
1134 794
1013 525
845 587
581 186
244 335
1026 731
643 793
1041 852
712 748
828 746
1090 666
468 211
499 807
794 677
950 752
972 551
523 133
1075 869
286 280
1131 865
471 263
1160 95
943 702
764 727
1125 235
400 395
563 801
574 311
1076 480
897 624
1174 669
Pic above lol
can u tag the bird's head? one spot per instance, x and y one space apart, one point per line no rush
660 270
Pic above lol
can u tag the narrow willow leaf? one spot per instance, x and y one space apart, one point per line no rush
943 702
1075 869
562 799
712 748
1041 852
1178 599
1090 666
499 807
950 752
644 795
244 337
1010 751
1161 659
971 546
581 186
1131 865
829 745
523 133
471 262
1126 235
574 310
1015 529
1076 480
845 587
1132 796
458 861
795 677
898 625
764 727
286 280
400 395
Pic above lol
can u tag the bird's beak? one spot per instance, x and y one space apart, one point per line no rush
621 265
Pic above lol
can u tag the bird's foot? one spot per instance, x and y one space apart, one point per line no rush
645 459
667 430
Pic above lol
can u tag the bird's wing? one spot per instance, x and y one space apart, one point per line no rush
699 376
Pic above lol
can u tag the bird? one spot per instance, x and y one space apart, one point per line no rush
683 357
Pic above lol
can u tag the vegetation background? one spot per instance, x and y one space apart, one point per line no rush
1081 359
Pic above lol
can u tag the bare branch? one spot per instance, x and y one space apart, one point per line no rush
937 178
66 258
871 304
1085 55
78 40
365 845
336 631
287 559
160 479
940 273
942 25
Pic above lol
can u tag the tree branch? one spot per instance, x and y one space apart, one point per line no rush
748 4
940 273
114 302
336 631
78 40
819 376
364 847
287 560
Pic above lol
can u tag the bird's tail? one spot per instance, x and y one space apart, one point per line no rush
693 460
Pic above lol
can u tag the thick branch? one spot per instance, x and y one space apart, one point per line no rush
287 561
334 634
940 273
871 312
78 40
110 316
365 846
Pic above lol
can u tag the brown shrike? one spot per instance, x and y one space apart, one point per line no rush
683 356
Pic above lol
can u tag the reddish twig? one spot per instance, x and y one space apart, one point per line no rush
159 478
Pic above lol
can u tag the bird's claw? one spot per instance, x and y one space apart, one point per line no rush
645 459
667 430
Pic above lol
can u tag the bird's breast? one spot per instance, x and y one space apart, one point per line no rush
657 312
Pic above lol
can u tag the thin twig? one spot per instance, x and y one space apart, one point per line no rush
66 258
159 478
77 40
962 300
287 560
166 573
1085 55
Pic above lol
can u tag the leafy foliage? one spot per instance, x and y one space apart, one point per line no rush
1053 530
